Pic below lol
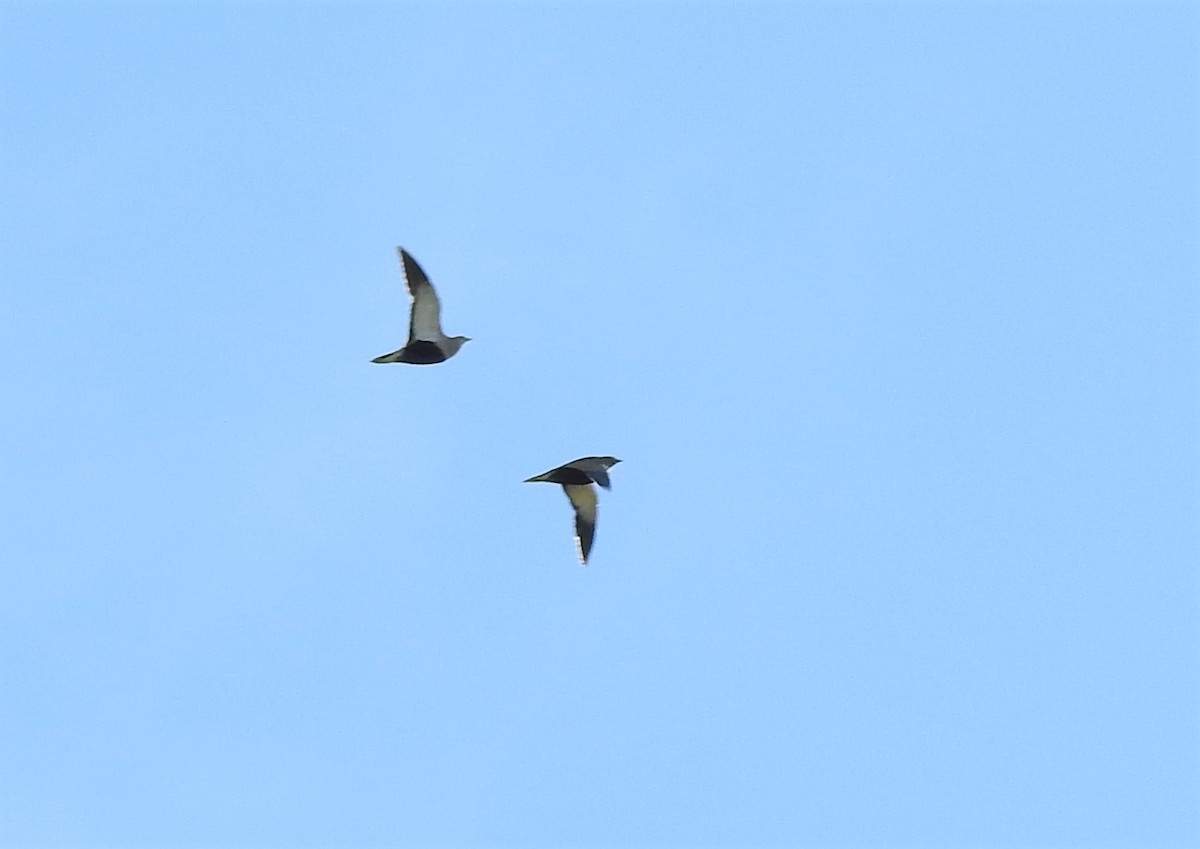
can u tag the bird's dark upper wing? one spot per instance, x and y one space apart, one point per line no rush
425 318
596 468
600 476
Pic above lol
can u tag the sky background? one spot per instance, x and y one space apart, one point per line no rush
891 311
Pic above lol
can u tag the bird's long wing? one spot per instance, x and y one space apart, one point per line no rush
583 499
425 318
599 475
595 468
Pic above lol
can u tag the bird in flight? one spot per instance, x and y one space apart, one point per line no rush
426 342
577 478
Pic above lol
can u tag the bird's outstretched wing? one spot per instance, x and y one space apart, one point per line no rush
600 476
425 318
583 499
595 468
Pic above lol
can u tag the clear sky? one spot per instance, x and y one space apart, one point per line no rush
890 310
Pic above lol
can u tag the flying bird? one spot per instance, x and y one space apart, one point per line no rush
426 342
577 478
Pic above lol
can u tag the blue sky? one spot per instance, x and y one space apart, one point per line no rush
889 309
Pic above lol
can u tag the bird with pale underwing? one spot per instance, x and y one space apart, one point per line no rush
426 343
576 479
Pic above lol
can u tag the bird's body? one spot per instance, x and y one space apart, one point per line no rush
426 343
576 479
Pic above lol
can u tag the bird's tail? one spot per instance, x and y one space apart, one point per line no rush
393 357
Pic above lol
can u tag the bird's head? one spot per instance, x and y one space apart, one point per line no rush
454 343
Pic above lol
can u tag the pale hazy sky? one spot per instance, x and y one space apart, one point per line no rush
889 309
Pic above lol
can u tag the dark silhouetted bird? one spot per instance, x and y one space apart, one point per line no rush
426 342
577 478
